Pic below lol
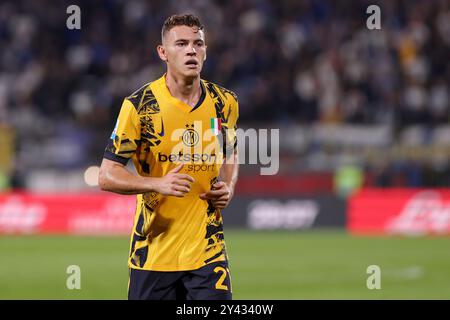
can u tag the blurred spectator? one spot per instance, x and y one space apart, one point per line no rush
290 62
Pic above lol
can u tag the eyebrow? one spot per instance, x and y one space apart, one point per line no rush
184 40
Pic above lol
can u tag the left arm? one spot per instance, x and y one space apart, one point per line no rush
229 173
223 190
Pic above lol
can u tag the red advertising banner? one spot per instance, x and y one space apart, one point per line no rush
400 211
80 213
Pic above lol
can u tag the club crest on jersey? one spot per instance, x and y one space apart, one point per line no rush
190 136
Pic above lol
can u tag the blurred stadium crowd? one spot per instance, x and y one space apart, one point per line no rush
301 66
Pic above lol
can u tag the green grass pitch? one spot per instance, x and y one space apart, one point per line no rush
264 265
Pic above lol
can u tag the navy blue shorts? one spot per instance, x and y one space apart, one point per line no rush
211 282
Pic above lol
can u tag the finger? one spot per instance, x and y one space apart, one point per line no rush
225 197
177 168
219 184
218 202
220 205
185 177
181 182
181 189
214 202
217 193
206 196
176 193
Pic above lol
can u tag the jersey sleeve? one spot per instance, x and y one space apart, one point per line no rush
231 136
126 135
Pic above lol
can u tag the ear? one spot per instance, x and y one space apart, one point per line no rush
204 58
162 53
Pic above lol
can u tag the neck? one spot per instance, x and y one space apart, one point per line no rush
187 90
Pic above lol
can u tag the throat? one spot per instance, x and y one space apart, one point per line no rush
190 98
187 92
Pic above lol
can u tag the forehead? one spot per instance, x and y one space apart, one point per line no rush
185 32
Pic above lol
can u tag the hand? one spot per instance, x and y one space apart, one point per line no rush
174 183
220 195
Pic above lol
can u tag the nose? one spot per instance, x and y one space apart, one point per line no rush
191 50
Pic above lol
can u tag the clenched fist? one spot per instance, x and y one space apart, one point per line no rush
174 183
220 195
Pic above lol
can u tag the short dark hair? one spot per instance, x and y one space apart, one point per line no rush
181 20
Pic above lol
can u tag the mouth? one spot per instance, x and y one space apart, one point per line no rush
191 63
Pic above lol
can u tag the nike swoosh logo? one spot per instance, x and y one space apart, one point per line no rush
162 129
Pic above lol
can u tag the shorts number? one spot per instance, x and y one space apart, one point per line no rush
219 283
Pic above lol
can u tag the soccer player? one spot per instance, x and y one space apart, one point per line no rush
179 131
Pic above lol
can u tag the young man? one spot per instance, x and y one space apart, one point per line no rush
177 130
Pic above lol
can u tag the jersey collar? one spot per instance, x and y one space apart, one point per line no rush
180 104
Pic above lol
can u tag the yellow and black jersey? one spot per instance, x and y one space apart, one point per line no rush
158 132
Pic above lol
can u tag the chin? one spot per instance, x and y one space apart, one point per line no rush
192 74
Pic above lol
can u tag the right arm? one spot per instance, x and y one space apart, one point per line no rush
115 177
